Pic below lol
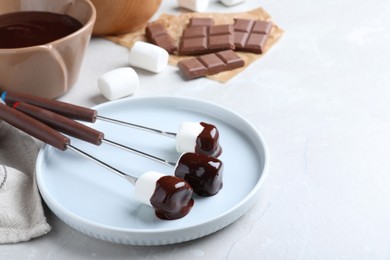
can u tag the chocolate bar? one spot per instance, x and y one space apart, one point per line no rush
157 34
197 40
251 35
210 64
200 22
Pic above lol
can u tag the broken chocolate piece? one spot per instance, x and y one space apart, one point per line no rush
251 35
157 34
210 64
206 39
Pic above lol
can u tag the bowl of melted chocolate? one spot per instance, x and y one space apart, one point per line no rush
42 44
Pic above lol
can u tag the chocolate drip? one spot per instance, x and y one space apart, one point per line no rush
202 172
207 141
24 29
172 198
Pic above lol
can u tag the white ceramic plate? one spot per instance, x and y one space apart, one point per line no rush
97 202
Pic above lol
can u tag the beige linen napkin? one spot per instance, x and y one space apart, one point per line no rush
21 211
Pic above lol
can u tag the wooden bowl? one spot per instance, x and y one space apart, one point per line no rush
122 16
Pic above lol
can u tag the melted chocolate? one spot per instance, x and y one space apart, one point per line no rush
207 141
172 198
24 29
202 172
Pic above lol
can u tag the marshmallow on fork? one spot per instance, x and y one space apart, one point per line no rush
199 138
165 194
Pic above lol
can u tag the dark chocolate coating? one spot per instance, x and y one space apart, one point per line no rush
251 35
202 172
33 127
208 141
172 198
29 28
62 108
61 123
158 35
210 64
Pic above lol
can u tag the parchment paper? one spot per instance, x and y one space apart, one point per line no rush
176 23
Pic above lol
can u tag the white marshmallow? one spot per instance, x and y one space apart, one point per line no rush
231 2
148 56
194 5
187 135
146 185
118 83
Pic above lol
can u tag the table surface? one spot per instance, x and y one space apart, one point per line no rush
320 97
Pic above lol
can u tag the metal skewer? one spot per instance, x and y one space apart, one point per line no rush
127 177
146 155
148 129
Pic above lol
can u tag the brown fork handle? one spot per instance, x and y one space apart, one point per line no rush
59 107
61 123
33 127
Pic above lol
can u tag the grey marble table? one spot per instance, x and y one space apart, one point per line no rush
320 98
